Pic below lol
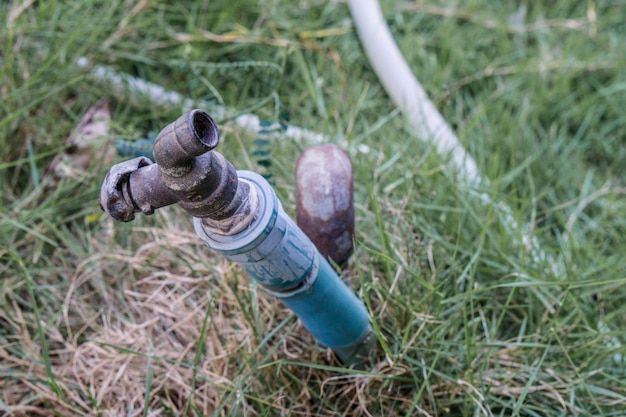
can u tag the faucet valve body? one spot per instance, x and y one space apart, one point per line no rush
237 214
187 172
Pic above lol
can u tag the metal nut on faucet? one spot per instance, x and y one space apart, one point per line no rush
114 198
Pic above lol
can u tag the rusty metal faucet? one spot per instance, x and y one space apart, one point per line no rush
187 172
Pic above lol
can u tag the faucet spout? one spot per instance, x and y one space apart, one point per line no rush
190 136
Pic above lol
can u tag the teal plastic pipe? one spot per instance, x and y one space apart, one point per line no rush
280 257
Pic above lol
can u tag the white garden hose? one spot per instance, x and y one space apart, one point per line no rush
430 126
123 84
405 91
421 114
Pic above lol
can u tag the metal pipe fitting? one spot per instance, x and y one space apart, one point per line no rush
178 143
186 172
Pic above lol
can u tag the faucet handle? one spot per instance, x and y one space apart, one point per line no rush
115 198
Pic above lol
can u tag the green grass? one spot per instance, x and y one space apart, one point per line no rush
102 318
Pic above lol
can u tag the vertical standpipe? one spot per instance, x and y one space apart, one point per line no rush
277 254
238 215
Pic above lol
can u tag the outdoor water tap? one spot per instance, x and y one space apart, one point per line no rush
186 172
237 214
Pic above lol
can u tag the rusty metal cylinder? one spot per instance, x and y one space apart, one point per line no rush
192 134
325 201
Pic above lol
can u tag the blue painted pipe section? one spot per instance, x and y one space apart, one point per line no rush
277 254
329 310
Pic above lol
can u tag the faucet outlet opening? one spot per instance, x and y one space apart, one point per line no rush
204 128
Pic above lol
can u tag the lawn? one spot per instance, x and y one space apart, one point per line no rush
497 298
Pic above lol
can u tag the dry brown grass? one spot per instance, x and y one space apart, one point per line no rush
113 340
131 325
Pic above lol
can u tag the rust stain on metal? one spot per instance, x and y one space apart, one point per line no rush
325 201
187 172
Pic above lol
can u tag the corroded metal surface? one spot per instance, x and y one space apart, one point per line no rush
325 202
178 143
187 171
114 198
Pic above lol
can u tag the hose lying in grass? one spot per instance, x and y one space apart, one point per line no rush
430 126
123 84
422 115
